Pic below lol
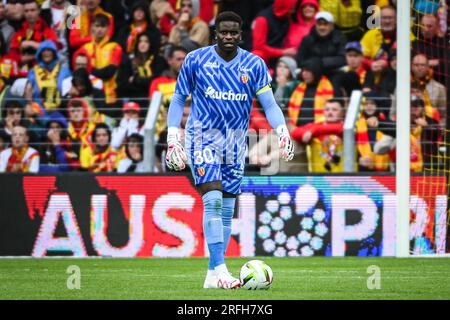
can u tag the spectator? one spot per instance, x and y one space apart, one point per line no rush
56 154
80 128
307 102
190 31
303 22
45 79
424 138
134 162
34 115
33 32
347 14
433 92
325 139
285 81
57 12
323 42
82 87
283 84
104 57
355 76
309 97
13 67
6 29
131 123
99 157
81 62
84 35
377 42
429 42
14 12
166 83
127 37
368 133
163 14
13 116
270 29
139 69
19 157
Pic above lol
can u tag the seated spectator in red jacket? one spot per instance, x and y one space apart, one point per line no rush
33 32
20 157
270 28
324 139
302 22
82 35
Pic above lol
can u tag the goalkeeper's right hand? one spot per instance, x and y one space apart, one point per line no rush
176 156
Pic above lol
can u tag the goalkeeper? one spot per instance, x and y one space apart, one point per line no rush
222 79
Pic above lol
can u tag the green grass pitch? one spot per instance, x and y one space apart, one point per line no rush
180 279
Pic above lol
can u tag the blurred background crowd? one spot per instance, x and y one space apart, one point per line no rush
76 79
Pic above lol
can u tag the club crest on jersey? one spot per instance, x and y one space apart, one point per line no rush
244 78
201 171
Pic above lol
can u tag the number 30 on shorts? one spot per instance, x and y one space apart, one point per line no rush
203 156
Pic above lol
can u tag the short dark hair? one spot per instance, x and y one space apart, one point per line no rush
228 16
98 127
101 19
24 2
336 100
173 49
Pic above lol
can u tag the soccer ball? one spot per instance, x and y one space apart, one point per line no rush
255 274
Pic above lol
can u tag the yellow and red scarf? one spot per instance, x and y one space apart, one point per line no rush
47 82
17 163
323 93
132 38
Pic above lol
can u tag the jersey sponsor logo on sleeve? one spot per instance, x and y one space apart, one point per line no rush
228 95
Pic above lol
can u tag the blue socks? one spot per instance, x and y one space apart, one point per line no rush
213 227
227 217
217 218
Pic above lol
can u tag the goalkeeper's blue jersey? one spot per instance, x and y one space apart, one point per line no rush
221 100
222 92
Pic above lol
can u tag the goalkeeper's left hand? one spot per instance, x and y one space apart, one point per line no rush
285 143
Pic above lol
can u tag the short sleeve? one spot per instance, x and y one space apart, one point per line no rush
185 81
263 77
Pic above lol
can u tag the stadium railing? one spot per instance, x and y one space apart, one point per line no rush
149 131
349 130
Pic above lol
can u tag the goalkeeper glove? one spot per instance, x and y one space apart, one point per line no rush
176 156
285 143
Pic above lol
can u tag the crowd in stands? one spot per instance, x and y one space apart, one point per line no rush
76 79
